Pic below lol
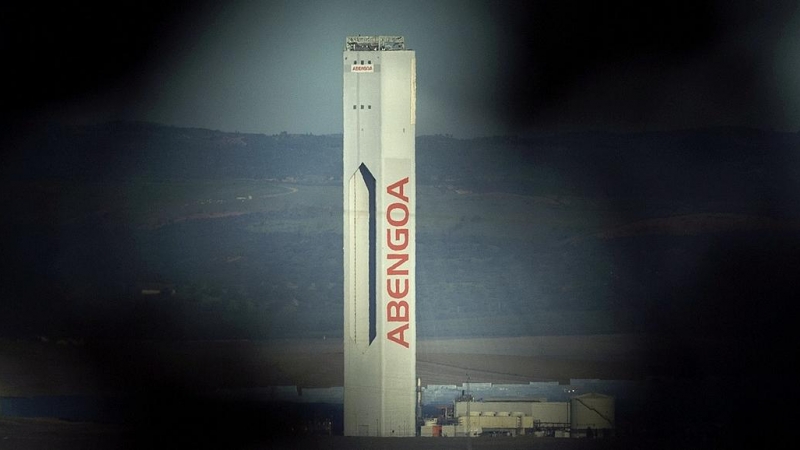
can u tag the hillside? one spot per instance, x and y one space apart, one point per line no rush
542 234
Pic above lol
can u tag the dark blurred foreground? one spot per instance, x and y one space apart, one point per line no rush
34 434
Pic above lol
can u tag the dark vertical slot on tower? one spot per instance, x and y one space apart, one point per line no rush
369 180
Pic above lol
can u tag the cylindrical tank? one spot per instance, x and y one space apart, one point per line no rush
591 410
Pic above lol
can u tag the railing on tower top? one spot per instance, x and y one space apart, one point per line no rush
374 43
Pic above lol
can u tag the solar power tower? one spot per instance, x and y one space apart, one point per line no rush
380 351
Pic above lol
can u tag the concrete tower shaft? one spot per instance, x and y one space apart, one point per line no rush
379 104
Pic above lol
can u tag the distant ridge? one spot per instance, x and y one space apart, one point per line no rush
610 164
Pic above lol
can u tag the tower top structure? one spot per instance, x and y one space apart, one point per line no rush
374 43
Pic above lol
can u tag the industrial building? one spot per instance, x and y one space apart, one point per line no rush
379 101
587 415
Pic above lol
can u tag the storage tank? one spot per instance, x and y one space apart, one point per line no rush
591 410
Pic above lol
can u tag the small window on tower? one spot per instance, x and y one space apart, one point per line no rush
362 61
369 62
354 106
362 106
369 107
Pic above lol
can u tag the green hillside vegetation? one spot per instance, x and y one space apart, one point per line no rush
243 232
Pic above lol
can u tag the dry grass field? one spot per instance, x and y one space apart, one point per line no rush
68 367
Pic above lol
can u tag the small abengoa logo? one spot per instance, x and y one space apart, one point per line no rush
362 68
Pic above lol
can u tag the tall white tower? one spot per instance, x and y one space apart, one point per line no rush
380 348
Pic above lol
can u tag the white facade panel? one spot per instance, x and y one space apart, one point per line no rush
550 412
493 406
379 247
